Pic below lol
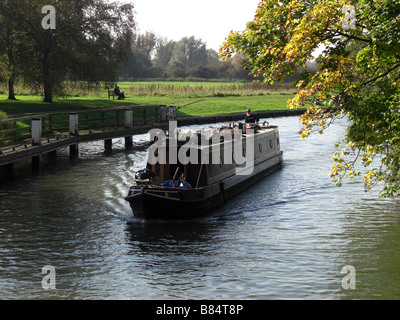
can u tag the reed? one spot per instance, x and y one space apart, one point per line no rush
161 89
204 89
217 97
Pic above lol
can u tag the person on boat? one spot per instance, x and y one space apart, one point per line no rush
119 93
251 118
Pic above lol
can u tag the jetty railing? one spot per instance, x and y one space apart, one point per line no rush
32 129
16 130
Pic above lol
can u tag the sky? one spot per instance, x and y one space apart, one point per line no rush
208 20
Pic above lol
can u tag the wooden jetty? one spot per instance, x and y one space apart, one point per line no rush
37 135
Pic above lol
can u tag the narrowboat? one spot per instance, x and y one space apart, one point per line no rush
191 173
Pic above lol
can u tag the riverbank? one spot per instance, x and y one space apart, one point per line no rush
215 98
186 121
204 106
282 239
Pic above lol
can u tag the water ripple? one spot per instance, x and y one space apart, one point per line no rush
287 237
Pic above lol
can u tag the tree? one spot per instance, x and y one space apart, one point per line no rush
10 49
146 43
163 55
204 72
8 59
188 53
78 44
358 75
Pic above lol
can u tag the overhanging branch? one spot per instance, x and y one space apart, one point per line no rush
380 76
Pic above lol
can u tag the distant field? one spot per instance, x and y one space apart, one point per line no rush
218 98
211 106
203 89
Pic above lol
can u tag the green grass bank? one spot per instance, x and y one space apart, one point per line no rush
218 98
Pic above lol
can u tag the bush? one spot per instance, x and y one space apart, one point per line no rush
3 116
4 126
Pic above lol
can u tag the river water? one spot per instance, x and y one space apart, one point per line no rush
288 237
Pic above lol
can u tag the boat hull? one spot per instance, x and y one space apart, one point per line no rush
173 204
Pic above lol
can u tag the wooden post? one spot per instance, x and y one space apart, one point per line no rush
50 122
36 163
144 116
15 127
87 119
108 145
36 131
74 150
74 131
128 118
163 113
155 112
9 170
172 113
74 124
128 142
43 124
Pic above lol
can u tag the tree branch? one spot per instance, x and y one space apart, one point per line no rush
352 37
380 76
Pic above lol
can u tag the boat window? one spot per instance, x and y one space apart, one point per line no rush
176 170
197 175
260 147
271 144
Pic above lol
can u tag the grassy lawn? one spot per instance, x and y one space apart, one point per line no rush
219 98
226 105
35 105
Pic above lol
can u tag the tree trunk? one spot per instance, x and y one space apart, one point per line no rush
11 92
47 84
48 91
11 64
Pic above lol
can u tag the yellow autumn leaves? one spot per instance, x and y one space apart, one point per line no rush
344 168
358 74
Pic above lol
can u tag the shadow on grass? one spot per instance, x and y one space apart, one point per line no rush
208 106
35 105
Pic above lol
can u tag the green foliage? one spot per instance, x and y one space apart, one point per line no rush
4 126
219 98
80 48
3 115
151 56
358 74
